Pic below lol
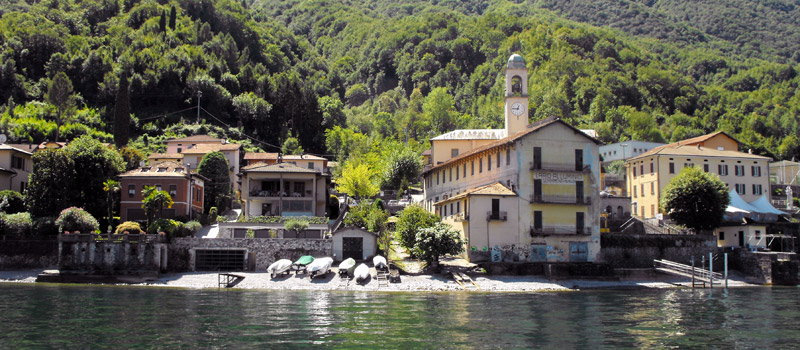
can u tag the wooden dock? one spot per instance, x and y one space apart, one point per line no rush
464 281
228 280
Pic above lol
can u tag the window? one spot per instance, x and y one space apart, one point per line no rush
537 189
756 170
451 209
652 210
634 170
472 171
173 190
495 208
634 191
480 165
22 186
757 189
741 189
179 150
17 162
705 167
451 175
537 219
489 164
579 222
722 169
454 153
643 211
721 236
131 190
458 207
465 169
671 168
642 190
688 165
578 160
508 156
498 159
653 188
651 167
444 210
537 158
641 169
158 187
739 170
437 178
311 165
456 172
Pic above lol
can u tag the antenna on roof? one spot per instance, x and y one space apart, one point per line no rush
3 138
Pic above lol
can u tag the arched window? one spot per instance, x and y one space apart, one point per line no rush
516 85
619 211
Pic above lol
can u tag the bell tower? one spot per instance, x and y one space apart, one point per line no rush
516 97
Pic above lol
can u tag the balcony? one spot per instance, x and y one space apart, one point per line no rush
559 167
559 230
276 194
496 215
460 217
557 199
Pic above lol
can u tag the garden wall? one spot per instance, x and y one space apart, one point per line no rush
638 251
264 251
27 254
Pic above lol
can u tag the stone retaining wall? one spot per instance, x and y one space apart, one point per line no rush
24 254
267 250
112 258
639 251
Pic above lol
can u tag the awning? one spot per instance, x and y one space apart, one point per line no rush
762 205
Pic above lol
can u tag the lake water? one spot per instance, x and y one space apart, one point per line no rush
56 316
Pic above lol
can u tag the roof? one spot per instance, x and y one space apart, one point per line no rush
426 152
516 61
763 205
165 155
692 150
494 189
16 149
472 134
208 148
691 141
511 139
161 169
301 157
196 138
260 155
356 228
277 168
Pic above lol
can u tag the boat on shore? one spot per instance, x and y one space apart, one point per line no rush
347 267
361 273
302 263
281 266
379 263
319 267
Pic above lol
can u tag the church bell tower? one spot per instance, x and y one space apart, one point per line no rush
516 97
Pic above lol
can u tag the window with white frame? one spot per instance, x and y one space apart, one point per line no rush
741 189
757 190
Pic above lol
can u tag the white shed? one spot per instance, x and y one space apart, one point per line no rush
354 242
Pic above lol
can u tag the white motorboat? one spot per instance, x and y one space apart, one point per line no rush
319 266
279 267
361 273
379 263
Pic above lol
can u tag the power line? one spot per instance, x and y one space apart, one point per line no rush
245 135
168 114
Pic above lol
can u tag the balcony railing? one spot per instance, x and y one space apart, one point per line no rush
559 199
496 215
460 217
560 230
562 167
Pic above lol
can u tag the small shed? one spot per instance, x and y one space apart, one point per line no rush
354 242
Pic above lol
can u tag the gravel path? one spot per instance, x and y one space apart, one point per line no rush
432 283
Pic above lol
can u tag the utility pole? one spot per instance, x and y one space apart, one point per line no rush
199 94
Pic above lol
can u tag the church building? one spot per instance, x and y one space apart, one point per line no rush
525 193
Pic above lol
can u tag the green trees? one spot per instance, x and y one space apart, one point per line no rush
412 219
59 94
76 219
291 146
122 113
214 166
49 187
111 188
403 168
357 180
154 201
296 225
433 242
695 199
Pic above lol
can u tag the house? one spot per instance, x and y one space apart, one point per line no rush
354 242
522 193
284 189
15 166
165 157
625 150
193 148
184 186
747 224
305 160
649 173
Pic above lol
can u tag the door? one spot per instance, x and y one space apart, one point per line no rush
741 238
578 160
579 192
353 247
578 251
537 220
538 253
537 158
537 190
579 223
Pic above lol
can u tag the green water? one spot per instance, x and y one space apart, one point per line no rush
52 316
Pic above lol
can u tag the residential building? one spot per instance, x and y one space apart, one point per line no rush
193 148
304 161
522 193
165 157
284 189
15 166
649 173
625 150
184 186
751 224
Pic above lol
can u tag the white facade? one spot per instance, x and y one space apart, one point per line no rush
626 150
368 246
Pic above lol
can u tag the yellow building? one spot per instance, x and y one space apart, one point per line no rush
522 193
648 174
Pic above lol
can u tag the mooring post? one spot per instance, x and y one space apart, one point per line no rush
711 269
726 270
692 272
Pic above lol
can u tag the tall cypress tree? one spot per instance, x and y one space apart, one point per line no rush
172 17
162 22
122 113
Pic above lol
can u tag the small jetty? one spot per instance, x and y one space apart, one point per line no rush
700 277
228 280
464 281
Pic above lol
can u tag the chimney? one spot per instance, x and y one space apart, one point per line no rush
750 151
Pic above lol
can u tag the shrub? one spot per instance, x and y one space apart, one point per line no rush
411 220
76 219
18 224
193 226
333 207
167 226
13 200
212 214
45 226
129 227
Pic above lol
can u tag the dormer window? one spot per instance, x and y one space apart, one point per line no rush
162 169
179 170
145 169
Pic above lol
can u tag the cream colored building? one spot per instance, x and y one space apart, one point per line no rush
284 189
15 166
784 172
190 151
522 193
649 173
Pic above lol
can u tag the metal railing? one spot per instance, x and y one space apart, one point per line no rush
496 215
564 167
560 199
686 270
111 238
560 230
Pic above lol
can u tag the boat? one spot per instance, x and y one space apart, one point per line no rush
300 264
319 267
279 267
379 263
361 273
347 267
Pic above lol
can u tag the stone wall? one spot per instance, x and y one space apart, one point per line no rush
25 254
766 267
267 250
639 251
113 258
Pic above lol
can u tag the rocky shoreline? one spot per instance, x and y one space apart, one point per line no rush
408 283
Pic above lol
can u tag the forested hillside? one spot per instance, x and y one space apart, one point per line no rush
347 77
